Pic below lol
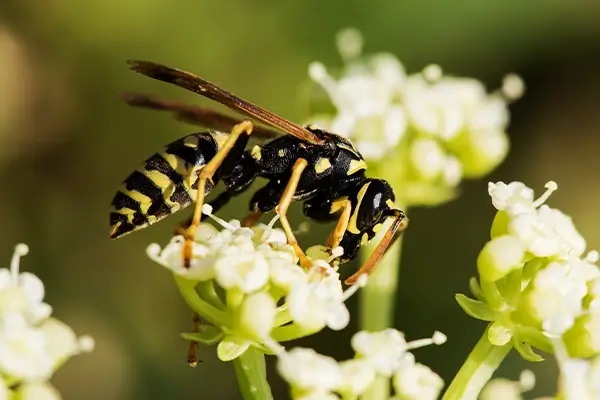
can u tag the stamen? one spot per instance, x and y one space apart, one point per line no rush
360 282
20 250
267 231
207 209
318 73
527 380
438 338
153 251
550 188
513 87
220 221
349 43
432 73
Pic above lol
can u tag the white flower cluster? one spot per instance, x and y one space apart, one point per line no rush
386 353
257 271
441 128
535 284
32 344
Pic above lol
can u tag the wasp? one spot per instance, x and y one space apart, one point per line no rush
320 168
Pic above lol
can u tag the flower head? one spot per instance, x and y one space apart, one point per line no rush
445 128
534 282
32 345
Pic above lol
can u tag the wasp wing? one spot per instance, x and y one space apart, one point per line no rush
194 114
198 85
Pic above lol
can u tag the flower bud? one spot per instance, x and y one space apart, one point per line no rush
499 257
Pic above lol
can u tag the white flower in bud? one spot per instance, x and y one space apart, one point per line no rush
357 376
416 381
257 315
499 257
513 86
427 158
308 371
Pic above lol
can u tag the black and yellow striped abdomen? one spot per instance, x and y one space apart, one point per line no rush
165 183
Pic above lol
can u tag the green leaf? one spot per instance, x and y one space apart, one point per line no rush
525 350
209 335
475 308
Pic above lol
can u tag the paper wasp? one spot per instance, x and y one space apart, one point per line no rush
306 164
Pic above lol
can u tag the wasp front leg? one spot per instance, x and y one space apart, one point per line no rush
205 175
399 225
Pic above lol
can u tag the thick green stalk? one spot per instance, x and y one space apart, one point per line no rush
377 302
477 370
251 373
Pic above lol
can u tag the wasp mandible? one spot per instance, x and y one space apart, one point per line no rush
308 164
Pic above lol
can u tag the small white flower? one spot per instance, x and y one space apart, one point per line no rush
387 350
506 389
357 374
504 195
247 272
23 350
383 350
257 315
555 296
306 370
38 391
22 293
417 382
320 302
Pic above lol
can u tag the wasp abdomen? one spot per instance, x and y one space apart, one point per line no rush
165 183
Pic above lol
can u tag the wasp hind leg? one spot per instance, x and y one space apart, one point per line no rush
398 226
205 175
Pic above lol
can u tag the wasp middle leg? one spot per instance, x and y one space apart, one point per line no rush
205 175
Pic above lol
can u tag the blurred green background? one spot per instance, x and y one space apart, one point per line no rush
66 142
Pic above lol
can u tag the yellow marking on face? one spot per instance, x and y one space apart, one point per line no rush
351 149
256 152
352 228
338 204
390 203
322 165
191 141
356 165
364 239
281 153
377 228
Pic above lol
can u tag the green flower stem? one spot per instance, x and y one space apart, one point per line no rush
477 370
217 317
251 373
377 302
